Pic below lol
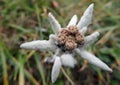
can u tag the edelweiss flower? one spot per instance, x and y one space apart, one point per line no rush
67 41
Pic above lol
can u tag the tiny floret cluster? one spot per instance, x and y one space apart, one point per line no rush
68 41
69 38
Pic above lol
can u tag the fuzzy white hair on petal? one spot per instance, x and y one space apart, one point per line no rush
68 60
52 39
73 21
56 69
83 30
86 18
42 45
91 39
54 23
93 59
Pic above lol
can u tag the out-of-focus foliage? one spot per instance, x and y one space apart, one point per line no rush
26 20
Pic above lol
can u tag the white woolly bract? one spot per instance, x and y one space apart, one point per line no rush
56 69
91 38
38 45
73 21
68 60
86 18
94 60
83 30
54 23
52 38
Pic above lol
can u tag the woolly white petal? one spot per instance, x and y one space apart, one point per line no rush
54 23
68 60
94 60
56 69
73 21
52 39
83 30
38 45
91 39
86 18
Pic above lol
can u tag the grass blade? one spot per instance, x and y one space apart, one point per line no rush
5 74
40 68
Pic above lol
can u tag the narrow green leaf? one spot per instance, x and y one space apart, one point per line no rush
40 68
4 66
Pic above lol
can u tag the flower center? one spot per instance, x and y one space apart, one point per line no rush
69 38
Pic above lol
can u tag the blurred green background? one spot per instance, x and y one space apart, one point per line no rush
26 20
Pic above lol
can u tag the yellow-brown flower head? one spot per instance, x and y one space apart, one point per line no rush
79 37
64 31
73 29
69 38
62 38
70 44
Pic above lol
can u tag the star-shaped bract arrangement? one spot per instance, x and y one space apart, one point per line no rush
67 41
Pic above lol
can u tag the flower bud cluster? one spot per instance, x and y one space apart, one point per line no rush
70 38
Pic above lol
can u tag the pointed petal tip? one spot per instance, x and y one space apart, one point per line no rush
92 5
94 60
55 69
49 13
107 68
86 19
25 45
75 16
53 81
110 70
97 33
73 21
54 23
22 45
